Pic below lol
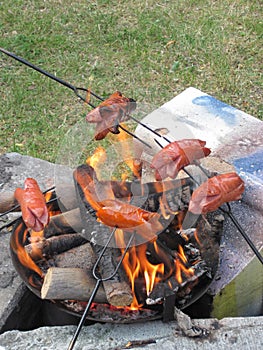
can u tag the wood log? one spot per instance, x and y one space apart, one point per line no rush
70 284
118 292
54 245
67 222
117 288
80 257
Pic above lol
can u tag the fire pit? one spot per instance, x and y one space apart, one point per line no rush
176 270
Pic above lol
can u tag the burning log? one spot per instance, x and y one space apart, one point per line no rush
64 223
70 283
198 262
54 245
81 256
117 289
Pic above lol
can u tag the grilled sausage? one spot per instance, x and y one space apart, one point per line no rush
110 113
176 155
33 205
217 190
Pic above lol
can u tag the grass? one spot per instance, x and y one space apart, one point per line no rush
149 50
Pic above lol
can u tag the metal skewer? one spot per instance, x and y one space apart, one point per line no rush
51 76
68 85
99 280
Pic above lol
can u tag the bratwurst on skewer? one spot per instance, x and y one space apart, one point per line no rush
33 205
217 190
113 212
109 113
176 155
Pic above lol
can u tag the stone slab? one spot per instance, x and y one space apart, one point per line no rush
14 169
229 333
237 138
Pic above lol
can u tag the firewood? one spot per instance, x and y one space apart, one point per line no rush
67 222
54 245
118 292
81 257
70 284
117 288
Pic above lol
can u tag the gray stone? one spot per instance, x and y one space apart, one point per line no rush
14 169
229 333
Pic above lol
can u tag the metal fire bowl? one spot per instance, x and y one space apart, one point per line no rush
105 312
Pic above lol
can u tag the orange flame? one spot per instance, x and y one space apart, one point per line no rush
123 144
20 251
180 264
196 237
137 265
97 159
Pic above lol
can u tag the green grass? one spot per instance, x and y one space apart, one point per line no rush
149 50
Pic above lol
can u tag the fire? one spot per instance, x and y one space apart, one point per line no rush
197 238
17 246
97 159
123 143
138 267
20 237
180 264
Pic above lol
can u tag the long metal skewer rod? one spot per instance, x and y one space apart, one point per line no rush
243 233
49 75
228 212
99 280
68 85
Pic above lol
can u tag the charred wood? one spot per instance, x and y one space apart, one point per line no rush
55 245
67 222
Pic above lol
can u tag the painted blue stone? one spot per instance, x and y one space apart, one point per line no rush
251 164
218 108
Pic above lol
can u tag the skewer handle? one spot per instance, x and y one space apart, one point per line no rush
83 317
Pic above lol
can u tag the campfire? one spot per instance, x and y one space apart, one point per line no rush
57 265
170 268
127 249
